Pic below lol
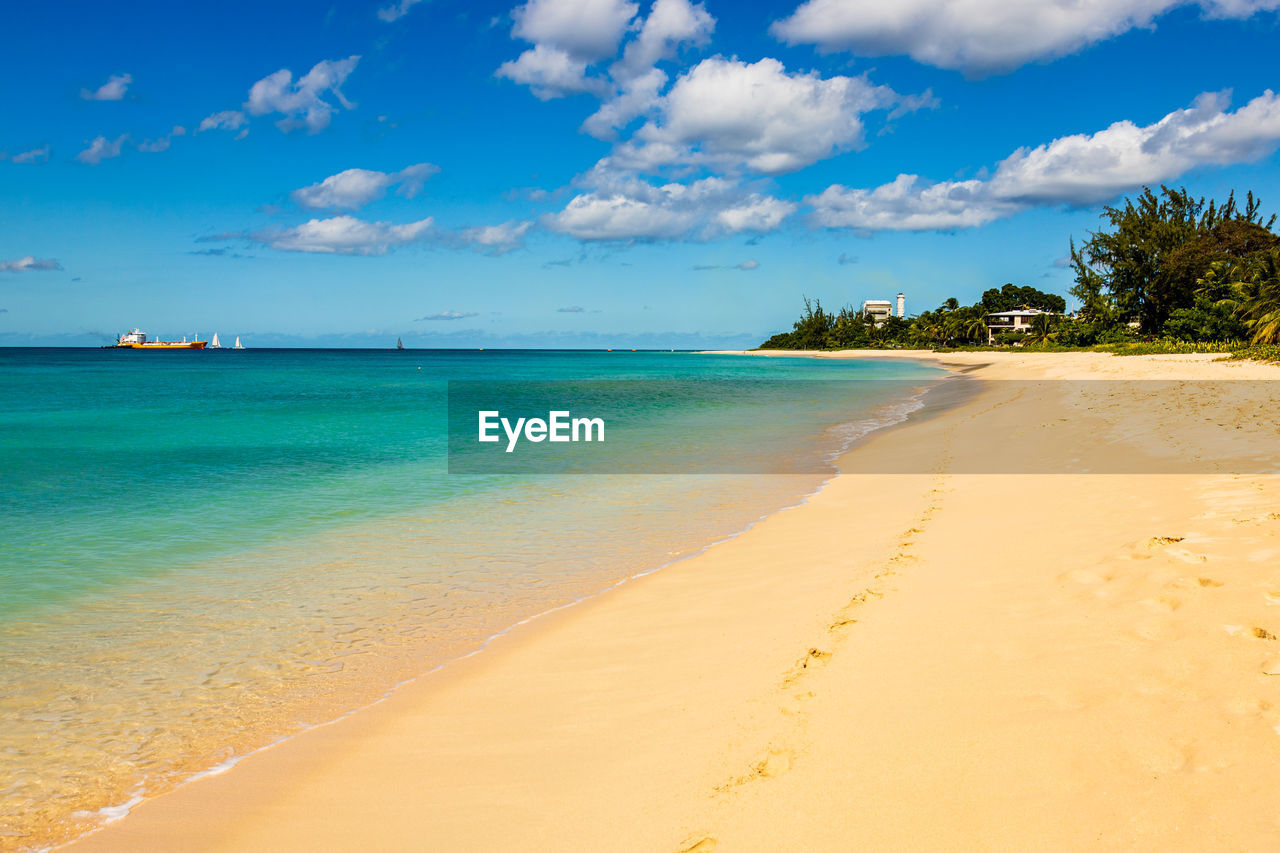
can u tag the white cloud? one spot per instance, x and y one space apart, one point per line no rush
622 208
35 155
354 188
640 96
449 315
725 113
30 264
909 204
162 143
618 217
497 239
1073 170
980 36
302 103
748 265
396 11
670 24
346 235
551 73
101 149
226 120
584 29
757 213
112 90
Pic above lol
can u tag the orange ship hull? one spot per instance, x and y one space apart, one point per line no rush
162 345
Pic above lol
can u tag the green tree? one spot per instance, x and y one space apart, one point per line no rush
1011 297
1146 263
1260 301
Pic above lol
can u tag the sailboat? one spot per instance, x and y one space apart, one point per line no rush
399 344
215 344
238 344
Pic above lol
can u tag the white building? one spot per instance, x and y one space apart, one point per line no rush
882 309
1011 321
877 309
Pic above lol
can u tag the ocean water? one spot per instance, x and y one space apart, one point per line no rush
204 552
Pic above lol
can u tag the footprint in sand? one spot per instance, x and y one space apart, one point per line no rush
1263 633
1163 604
1089 577
812 657
777 762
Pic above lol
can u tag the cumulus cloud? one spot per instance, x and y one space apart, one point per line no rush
345 235
550 72
569 37
980 36
583 29
748 265
641 95
1073 170
448 315
35 155
354 188
224 120
670 23
755 213
497 239
30 264
112 90
303 103
622 208
731 114
101 149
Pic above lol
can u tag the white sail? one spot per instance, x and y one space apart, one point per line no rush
237 346
214 344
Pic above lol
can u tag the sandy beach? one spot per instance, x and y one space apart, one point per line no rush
913 659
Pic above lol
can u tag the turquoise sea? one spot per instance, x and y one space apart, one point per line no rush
202 552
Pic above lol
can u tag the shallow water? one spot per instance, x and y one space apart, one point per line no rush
203 552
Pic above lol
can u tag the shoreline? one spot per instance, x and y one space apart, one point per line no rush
699 599
121 811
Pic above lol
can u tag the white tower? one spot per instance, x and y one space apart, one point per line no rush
902 305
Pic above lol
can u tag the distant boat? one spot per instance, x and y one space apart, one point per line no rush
238 344
137 340
214 344
399 344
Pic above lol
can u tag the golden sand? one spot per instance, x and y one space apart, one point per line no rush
930 660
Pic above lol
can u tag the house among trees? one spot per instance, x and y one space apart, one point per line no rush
1020 320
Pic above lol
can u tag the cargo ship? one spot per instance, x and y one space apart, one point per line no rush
137 340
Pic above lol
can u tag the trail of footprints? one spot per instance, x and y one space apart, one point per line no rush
778 757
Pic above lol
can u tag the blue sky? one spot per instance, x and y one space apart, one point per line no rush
590 172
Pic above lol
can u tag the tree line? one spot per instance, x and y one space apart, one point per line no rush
1164 265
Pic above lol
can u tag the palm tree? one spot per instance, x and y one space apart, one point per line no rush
975 329
1259 306
1042 326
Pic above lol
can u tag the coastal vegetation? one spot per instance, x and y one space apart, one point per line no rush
1166 272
